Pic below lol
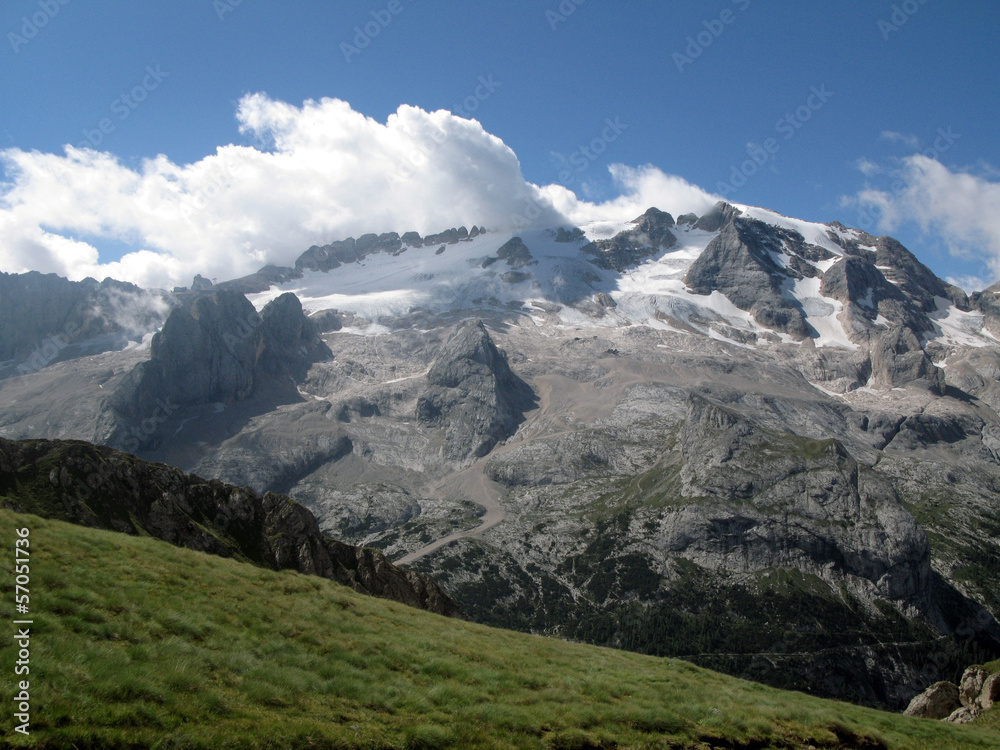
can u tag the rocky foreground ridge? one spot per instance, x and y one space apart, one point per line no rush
102 488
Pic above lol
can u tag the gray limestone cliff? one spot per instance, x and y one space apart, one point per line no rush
472 394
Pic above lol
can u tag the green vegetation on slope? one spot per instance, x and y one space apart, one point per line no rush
137 643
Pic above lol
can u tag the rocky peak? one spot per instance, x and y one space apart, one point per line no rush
215 349
286 328
721 214
208 350
655 225
740 264
915 279
626 249
473 394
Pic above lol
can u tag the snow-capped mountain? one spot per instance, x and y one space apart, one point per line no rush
741 274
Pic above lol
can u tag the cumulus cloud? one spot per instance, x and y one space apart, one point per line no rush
315 173
640 188
961 208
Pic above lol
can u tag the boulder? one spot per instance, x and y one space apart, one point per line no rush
938 701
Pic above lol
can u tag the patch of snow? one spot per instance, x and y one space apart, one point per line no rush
812 232
959 328
821 312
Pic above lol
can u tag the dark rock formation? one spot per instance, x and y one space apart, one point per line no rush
473 394
569 235
447 237
720 215
290 338
261 281
516 254
740 263
626 249
351 250
102 488
217 349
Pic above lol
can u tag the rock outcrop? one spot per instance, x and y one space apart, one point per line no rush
472 394
102 488
978 691
936 702
216 349
740 264
772 500
898 359
651 235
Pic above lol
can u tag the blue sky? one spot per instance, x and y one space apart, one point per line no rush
836 99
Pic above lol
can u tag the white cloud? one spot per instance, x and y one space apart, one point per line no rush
640 188
908 140
869 168
319 172
961 208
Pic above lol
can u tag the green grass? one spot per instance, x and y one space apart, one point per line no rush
137 643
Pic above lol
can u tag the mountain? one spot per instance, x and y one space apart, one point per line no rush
766 445
127 629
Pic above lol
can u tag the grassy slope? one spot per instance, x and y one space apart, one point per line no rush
137 643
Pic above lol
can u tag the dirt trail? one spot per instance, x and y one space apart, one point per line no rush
471 484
